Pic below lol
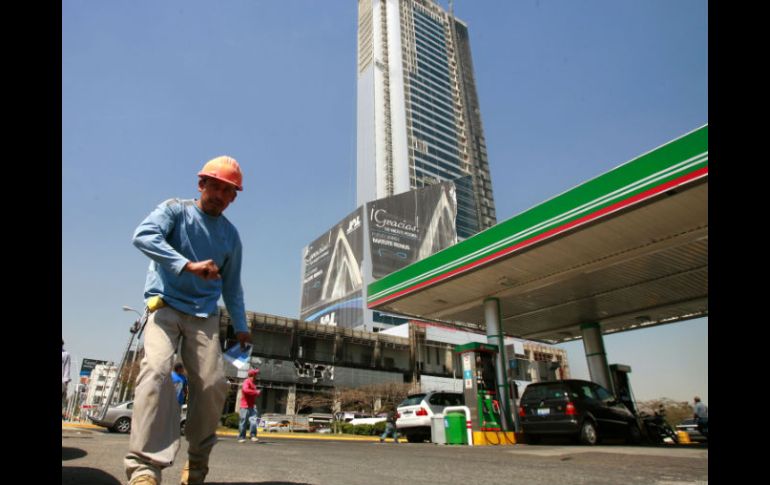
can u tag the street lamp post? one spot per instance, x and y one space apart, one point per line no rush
134 329
127 308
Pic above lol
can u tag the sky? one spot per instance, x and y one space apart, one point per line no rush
151 90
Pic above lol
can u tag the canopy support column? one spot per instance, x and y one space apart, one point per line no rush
596 356
495 337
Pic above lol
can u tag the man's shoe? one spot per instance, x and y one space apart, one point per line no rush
194 473
254 438
144 480
241 440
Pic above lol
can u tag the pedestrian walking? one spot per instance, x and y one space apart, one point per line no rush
195 254
248 412
65 376
179 380
701 415
390 427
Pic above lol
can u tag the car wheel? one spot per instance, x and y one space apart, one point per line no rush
588 434
123 425
634 435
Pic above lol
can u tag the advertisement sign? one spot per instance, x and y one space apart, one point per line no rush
88 365
408 227
467 371
332 281
402 229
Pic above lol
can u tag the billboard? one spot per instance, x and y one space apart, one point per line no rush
408 227
88 365
332 279
401 230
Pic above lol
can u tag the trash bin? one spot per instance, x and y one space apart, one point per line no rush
437 434
456 433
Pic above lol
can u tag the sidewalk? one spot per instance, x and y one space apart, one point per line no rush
228 432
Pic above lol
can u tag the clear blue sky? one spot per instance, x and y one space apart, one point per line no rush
151 90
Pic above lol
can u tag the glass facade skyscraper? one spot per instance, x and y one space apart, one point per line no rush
418 112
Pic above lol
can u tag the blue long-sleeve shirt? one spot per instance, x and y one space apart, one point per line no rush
177 231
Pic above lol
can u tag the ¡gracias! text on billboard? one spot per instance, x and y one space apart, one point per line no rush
379 216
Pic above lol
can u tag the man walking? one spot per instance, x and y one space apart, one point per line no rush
390 427
701 415
195 255
65 376
248 410
180 383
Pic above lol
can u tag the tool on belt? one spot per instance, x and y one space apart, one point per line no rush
154 303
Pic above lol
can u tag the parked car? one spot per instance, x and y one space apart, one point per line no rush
581 409
277 426
283 423
356 421
347 416
118 417
690 426
416 411
317 421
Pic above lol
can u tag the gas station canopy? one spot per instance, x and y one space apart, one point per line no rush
625 250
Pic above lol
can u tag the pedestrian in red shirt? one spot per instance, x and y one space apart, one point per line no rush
248 411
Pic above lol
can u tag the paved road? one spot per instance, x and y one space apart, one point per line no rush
94 457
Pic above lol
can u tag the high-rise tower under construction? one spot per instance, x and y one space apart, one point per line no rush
418 111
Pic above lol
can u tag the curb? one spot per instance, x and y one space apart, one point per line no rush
66 425
303 436
234 434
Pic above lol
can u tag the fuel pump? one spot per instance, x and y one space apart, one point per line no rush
652 426
514 393
621 386
482 396
486 392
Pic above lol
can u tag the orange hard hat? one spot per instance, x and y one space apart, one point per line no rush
223 168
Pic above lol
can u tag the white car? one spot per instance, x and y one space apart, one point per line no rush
347 416
690 426
356 421
118 418
415 412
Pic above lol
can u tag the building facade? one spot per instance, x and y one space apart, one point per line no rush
101 380
297 357
418 117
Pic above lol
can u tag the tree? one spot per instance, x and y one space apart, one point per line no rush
304 400
390 394
129 374
322 399
374 398
370 399
675 411
354 399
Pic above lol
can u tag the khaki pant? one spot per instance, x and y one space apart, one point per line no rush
155 436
